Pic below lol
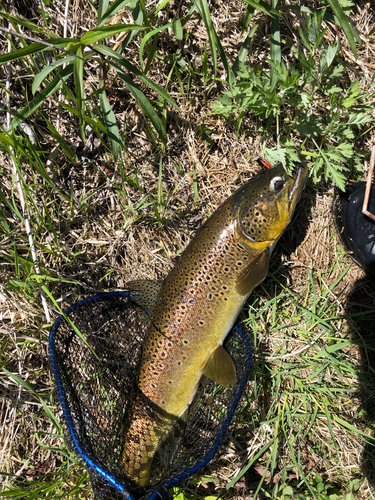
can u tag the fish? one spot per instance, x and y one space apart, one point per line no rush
195 307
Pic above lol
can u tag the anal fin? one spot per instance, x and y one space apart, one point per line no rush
220 368
171 439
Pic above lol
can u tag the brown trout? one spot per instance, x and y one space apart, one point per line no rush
195 307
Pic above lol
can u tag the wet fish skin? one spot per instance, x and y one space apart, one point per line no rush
195 307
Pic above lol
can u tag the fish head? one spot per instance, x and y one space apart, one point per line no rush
264 207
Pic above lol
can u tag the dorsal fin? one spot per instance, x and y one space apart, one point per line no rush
253 274
145 293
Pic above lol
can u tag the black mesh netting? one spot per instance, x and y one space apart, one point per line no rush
95 348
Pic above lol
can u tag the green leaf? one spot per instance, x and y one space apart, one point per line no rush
344 23
63 144
97 34
79 85
144 103
34 48
263 7
149 35
12 208
214 40
104 15
336 71
22 22
177 28
327 56
26 51
242 53
47 70
346 149
30 388
50 89
160 7
288 490
95 123
109 121
102 8
275 41
359 119
131 68
204 12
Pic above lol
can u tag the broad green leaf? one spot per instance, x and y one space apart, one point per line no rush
124 63
177 28
327 57
26 51
34 48
109 121
144 103
359 119
80 91
104 15
344 23
50 89
97 34
22 22
249 14
47 70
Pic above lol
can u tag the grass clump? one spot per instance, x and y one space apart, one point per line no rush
303 106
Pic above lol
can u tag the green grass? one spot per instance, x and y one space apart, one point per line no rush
120 170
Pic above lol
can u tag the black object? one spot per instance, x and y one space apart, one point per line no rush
356 230
95 347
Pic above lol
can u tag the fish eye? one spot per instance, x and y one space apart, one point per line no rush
277 183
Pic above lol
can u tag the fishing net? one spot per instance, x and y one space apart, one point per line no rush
95 347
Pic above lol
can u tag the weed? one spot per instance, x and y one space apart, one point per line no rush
289 102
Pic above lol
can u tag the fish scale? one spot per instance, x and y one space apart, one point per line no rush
195 307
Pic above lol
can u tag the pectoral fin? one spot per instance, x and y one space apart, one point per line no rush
253 274
220 368
145 293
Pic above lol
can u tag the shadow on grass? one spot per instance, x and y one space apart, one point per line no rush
361 308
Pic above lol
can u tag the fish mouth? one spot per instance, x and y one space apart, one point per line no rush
298 185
